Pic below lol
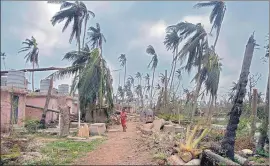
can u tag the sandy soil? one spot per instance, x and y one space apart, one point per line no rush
121 148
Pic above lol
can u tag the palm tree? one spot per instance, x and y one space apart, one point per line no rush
32 55
138 75
3 55
216 16
195 48
92 77
75 12
213 69
154 61
171 42
121 93
229 138
131 79
96 37
179 77
138 91
123 63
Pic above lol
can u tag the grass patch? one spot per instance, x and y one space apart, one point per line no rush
160 156
64 152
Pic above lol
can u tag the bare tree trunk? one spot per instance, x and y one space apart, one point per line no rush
230 134
64 117
33 88
85 24
254 115
125 75
48 97
79 104
152 86
171 68
211 103
264 126
174 66
165 89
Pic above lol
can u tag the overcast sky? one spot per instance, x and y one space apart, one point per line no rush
129 28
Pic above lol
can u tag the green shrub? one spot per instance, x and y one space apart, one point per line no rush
32 125
243 126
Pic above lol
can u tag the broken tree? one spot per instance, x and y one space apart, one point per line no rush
64 116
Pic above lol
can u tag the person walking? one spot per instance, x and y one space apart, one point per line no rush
123 117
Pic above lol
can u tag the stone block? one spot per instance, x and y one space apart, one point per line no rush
97 129
169 129
175 160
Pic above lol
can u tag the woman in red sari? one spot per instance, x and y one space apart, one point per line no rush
123 117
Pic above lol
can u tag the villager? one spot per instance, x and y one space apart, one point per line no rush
123 117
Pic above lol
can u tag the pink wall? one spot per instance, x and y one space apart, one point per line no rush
39 101
6 107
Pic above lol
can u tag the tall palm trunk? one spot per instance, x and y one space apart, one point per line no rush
85 24
174 66
79 109
229 138
196 95
211 103
33 88
152 86
125 74
264 126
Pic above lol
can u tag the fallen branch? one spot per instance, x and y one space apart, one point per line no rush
31 106
210 157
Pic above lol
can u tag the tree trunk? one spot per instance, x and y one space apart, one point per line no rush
48 97
33 88
79 105
194 102
254 115
171 68
165 89
264 126
152 86
125 74
211 102
64 117
230 134
85 24
172 77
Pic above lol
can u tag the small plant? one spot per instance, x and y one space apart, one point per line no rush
32 125
191 144
160 156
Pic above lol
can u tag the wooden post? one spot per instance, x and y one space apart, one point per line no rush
43 118
253 115
165 92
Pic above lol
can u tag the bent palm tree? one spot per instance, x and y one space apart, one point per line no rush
96 37
123 63
93 78
32 55
228 141
154 61
216 16
195 48
171 42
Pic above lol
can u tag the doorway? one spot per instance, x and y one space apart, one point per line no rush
14 109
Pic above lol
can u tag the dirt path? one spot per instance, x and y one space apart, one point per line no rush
121 148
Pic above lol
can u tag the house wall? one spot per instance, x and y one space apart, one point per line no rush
6 108
39 101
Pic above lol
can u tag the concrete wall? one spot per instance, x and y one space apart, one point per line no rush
39 100
6 104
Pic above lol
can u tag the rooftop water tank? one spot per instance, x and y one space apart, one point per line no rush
3 80
44 85
16 79
63 89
